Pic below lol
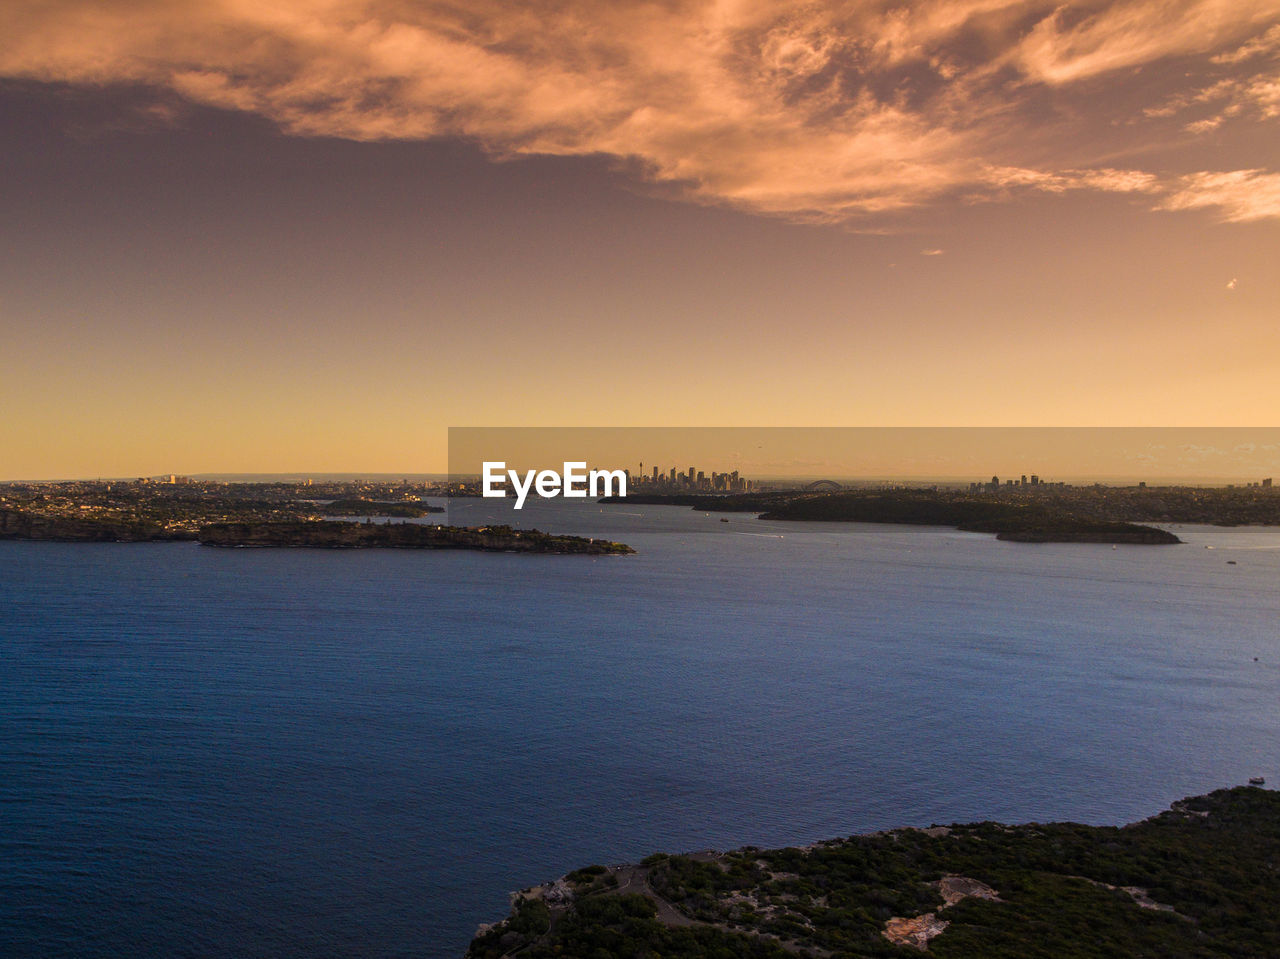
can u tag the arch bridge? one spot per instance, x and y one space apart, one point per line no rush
824 486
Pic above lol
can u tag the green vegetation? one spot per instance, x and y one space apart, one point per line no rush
1197 882
586 875
612 927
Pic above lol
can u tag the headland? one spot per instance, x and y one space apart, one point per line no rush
1019 520
1197 881
340 535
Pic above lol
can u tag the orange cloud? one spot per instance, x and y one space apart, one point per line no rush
813 111
1078 41
1240 195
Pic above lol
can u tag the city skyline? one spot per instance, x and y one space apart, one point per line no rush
310 238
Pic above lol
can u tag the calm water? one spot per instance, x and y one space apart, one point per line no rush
258 753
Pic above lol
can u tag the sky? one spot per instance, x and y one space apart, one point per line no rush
311 235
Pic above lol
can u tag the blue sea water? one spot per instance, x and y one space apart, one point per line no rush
305 753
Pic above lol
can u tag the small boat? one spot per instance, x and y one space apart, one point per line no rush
723 520
1257 781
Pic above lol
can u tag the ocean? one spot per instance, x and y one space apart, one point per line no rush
301 753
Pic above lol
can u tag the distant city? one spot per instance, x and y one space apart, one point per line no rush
690 480
1036 483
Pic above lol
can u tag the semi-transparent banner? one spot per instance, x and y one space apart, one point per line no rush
514 469
856 455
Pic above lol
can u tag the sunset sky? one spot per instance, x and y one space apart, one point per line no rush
309 235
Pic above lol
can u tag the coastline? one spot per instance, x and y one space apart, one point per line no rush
344 535
1192 880
298 533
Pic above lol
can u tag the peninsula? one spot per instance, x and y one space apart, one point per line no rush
1019 522
1038 521
340 535
1199 881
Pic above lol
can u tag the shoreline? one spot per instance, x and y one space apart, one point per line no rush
1170 884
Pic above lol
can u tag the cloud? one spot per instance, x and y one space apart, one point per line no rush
932 252
1104 180
1205 125
1268 44
1079 40
823 112
1255 96
1239 196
